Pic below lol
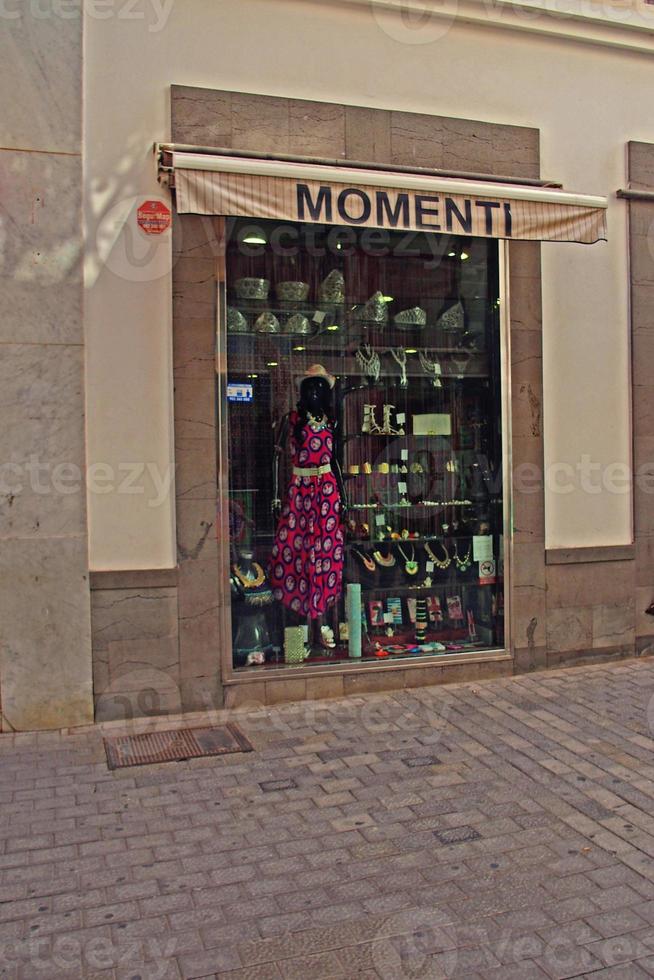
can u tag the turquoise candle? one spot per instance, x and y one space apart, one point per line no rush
353 609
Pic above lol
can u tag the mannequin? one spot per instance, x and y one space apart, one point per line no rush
251 591
308 554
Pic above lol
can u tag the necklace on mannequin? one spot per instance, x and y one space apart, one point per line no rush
251 579
316 425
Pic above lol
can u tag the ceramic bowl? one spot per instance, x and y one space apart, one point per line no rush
415 317
332 288
292 292
298 323
252 288
236 322
266 323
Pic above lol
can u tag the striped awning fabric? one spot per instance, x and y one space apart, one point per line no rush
236 186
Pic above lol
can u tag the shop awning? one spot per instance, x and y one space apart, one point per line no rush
217 184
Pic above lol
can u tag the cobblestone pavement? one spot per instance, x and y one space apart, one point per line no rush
501 829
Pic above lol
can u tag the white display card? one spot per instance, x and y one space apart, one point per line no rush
434 424
404 454
401 487
380 519
430 566
400 417
482 547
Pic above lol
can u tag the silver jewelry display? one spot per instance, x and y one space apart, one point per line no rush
369 361
432 368
452 318
399 356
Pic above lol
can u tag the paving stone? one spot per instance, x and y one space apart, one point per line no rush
616 922
457 835
626 971
618 950
523 823
317 966
276 785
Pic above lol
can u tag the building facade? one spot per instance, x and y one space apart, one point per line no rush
143 389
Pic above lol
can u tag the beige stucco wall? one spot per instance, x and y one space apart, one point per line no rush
586 100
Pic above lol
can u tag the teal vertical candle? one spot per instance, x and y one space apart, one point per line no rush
353 608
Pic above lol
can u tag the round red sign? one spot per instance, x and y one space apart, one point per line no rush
153 217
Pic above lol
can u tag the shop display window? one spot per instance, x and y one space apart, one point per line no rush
367 525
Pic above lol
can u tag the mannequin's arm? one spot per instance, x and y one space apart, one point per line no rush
281 434
336 468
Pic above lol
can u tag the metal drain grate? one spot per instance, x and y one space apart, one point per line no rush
174 746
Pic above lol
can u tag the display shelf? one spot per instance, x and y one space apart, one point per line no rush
381 348
381 508
245 362
409 590
350 306
436 539
275 363
401 541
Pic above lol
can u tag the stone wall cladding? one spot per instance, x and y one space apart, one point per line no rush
640 158
135 652
45 636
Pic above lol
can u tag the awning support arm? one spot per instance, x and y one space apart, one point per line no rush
164 153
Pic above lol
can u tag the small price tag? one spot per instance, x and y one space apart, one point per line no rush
401 417
388 617
319 316
401 487
404 454
430 566
380 519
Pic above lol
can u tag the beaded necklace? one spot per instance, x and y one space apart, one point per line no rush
439 562
384 560
316 425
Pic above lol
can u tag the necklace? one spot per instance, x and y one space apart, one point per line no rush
431 367
463 564
439 562
384 560
316 425
369 361
399 356
365 560
249 581
410 564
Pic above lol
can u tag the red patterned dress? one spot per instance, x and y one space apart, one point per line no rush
306 569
